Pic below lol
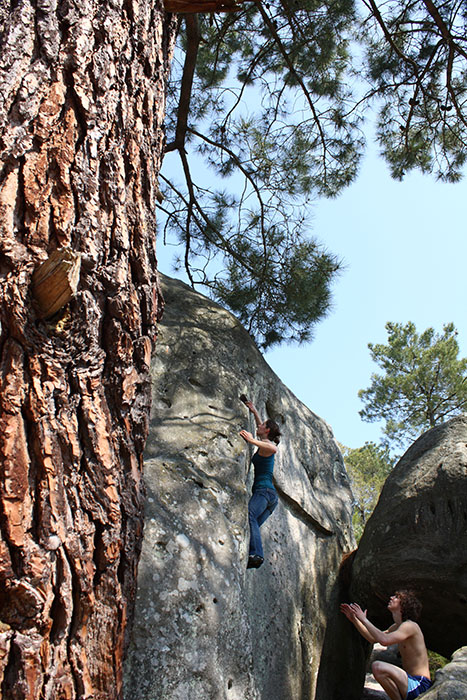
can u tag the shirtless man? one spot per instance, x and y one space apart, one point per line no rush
414 678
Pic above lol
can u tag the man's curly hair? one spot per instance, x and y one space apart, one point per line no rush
410 605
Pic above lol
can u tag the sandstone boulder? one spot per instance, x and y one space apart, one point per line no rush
417 537
450 681
205 627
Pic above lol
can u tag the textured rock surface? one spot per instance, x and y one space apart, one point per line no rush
451 681
417 537
205 627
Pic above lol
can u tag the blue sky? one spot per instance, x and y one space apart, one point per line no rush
405 251
405 248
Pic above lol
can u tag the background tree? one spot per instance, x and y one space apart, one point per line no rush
82 89
271 101
423 381
368 467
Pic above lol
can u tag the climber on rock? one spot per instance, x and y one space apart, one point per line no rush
413 678
264 497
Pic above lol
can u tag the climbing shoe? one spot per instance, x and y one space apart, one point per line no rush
254 562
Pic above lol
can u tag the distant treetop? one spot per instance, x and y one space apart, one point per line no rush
422 383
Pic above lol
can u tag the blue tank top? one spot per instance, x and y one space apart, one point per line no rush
264 467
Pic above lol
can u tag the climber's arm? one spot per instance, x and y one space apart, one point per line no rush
266 447
252 409
394 635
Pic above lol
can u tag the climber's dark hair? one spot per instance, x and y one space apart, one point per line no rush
274 432
410 605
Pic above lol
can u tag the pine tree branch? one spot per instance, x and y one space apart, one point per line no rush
419 88
447 39
372 6
449 398
247 174
449 87
251 68
191 204
189 67
202 216
299 80
445 32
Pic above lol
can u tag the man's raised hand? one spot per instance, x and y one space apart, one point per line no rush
358 612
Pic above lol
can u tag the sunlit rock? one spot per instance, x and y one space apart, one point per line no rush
205 627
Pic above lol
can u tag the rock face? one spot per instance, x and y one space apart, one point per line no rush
205 627
417 537
451 681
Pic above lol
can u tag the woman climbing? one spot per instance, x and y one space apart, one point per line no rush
264 497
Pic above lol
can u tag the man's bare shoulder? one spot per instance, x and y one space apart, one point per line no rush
410 628
405 625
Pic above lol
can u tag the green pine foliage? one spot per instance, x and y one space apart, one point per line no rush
423 381
267 116
416 64
269 102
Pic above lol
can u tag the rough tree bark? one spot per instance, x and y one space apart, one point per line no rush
81 105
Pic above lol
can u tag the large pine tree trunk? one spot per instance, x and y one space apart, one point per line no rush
81 105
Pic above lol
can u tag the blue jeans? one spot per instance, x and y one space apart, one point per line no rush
260 507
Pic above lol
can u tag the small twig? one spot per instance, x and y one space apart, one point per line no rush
245 172
227 247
